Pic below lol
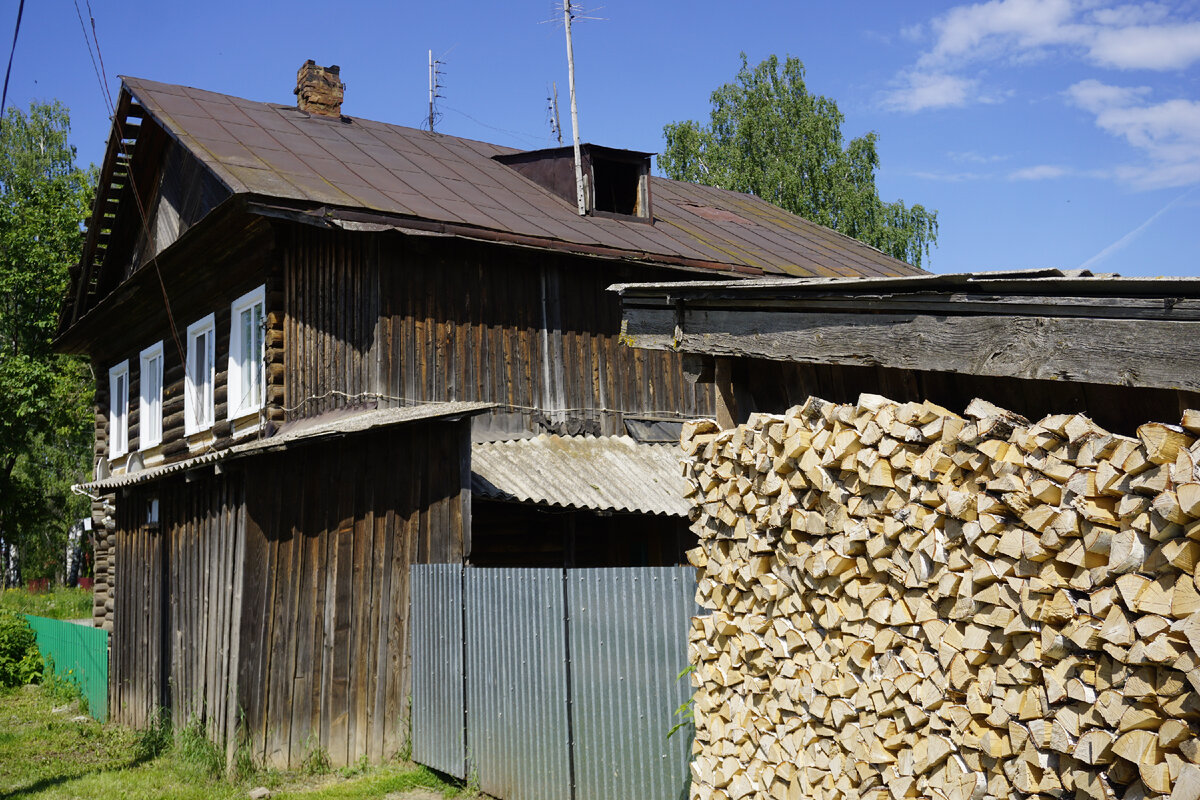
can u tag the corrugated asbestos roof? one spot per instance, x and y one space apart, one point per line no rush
306 432
275 151
612 473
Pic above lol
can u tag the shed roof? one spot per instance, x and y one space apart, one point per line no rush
416 178
1035 324
307 431
613 473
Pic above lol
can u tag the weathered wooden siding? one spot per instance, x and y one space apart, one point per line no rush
173 645
395 319
137 683
331 532
274 594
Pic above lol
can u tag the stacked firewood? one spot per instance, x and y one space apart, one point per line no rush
907 602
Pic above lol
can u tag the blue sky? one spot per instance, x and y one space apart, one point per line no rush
1046 133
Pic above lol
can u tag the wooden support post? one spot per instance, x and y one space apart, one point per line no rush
727 411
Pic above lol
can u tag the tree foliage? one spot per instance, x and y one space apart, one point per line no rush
770 137
45 398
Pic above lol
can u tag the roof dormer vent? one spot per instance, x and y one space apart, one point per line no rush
616 182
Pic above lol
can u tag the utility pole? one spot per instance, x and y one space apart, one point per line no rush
557 122
579 188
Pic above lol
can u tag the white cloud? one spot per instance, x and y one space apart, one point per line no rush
1166 133
968 31
1157 47
1124 16
1143 36
971 157
920 90
1041 172
949 177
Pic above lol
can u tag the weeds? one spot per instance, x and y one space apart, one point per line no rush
316 761
196 752
157 738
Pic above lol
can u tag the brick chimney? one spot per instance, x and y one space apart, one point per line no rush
319 90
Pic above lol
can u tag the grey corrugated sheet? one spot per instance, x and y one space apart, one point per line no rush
517 736
628 639
606 472
276 151
306 431
438 732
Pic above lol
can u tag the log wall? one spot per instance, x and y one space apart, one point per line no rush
908 602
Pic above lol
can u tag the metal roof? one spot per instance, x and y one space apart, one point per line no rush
612 473
306 431
413 176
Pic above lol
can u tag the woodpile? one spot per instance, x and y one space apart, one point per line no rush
906 602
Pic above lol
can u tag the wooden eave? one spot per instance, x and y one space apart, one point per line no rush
210 236
1123 332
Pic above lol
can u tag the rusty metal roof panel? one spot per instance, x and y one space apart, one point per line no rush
304 431
611 473
281 152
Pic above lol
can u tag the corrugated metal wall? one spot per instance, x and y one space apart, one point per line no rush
571 679
628 640
437 696
79 654
517 728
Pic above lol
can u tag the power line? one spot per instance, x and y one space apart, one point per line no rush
88 41
99 54
13 52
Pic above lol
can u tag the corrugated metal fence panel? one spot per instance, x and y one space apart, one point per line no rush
628 645
517 729
438 735
80 655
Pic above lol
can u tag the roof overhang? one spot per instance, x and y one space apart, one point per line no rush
1043 324
606 473
308 431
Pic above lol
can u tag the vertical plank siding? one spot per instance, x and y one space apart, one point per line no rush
271 604
171 643
388 319
331 532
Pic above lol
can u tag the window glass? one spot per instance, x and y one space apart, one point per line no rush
118 410
246 354
198 388
150 402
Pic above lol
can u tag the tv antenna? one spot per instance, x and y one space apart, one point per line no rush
435 83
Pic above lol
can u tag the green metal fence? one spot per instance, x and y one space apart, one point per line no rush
79 654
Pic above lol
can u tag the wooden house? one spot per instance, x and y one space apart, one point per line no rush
302 324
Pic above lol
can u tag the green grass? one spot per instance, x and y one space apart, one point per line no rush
53 756
57 603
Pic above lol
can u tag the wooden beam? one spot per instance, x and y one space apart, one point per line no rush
1121 352
727 410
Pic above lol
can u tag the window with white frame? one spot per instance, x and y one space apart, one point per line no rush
150 380
118 410
246 354
198 377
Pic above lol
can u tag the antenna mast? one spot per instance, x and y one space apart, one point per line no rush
435 76
431 82
579 188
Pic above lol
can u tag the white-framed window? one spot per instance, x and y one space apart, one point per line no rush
199 375
150 381
246 354
118 410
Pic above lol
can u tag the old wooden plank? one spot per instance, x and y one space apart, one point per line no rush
1147 353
